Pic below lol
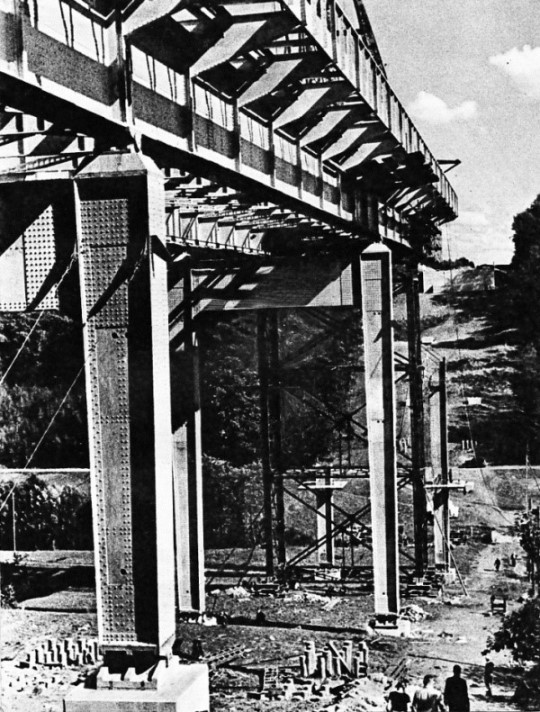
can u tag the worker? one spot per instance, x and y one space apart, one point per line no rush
497 564
428 698
398 699
488 678
197 650
456 694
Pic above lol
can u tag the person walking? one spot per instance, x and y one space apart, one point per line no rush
428 699
497 564
456 694
398 699
488 678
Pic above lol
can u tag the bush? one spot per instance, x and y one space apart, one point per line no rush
12 588
46 517
520 633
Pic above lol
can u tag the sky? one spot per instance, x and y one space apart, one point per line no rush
468 73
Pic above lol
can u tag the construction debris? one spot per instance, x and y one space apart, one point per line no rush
214 660
321 673
363 695
267 588
237 592
413 613
399 672
306 597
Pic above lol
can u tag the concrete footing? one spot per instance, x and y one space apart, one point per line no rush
181 688
449 576
400 629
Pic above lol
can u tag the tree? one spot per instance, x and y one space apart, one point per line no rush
34 384
225 502
229 381
525 273
318 362
526 227
521 314
520 633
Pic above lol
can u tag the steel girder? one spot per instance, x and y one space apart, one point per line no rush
176 80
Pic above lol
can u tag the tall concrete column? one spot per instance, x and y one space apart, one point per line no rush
119 203
274 426
439 461
376 284
264 375
417 424
187 448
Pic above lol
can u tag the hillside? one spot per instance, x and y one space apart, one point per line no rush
463 319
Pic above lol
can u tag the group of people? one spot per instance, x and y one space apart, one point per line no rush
428 698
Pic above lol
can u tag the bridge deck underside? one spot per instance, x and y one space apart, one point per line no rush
284 101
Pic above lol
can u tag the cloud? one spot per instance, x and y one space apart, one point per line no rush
429 107
472 218
483 244
523 68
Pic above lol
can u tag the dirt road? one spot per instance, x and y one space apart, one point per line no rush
458 633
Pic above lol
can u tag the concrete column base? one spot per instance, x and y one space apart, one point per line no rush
181 688
450 576
399 629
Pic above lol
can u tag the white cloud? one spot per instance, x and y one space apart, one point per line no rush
523 67
472 218
429 107
482 244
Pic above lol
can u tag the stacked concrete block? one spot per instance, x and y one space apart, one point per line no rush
54 652
303 691
270 687
334 660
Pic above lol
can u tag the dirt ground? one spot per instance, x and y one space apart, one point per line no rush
456 632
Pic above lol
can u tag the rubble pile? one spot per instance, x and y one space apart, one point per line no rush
363 695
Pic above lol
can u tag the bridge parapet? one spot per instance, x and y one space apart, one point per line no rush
331 26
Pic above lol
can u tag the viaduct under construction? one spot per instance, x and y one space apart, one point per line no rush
192 155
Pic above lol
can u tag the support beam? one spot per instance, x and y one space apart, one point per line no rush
187 450
377 314
120 202
417 424
324 488
276 455
325 525
263 361
439 461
